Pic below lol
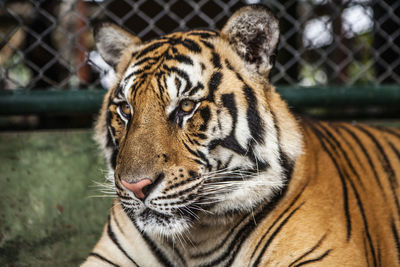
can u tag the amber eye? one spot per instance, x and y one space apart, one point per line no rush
187 105
125 110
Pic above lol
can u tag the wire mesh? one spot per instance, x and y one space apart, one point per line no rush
44 44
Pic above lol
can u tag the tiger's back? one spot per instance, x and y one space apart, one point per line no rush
210 168
341 207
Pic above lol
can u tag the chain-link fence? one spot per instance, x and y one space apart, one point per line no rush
44 43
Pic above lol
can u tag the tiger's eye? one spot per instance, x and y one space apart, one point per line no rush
187 106
125 109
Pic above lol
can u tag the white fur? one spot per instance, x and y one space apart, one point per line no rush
107 74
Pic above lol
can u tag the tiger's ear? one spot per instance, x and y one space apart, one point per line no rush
112 41
253 33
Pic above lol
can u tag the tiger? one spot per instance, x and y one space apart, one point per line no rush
211 168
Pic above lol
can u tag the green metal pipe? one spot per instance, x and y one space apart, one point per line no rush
22 102
75 101
339 97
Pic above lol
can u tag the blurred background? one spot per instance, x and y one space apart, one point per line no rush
337 60
345 52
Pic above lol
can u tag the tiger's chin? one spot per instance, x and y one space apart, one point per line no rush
155 223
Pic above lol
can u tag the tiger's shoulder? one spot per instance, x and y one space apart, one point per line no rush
344 192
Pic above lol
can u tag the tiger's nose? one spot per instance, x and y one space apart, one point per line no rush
137 188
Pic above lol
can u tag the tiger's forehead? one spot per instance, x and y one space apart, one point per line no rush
170 55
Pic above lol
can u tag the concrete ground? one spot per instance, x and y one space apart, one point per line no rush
48 213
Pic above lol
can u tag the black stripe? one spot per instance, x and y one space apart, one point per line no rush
116 220
395 150
110 135
204 34
176 250
208 44
275 233
349 146
320 258
287 164
93 254
365 221
321 139
260 164
239 77
284 159
194 153
122 197
379 255
247 229
194 90
117 185
213 84
180 58
228 65
157 252
137 85
201 136
113 238
189 139
203 67
366 251
393 132
149 60
119 91
182 74
338 147
234 177
160 88
309 251
385 163
230 141
256 125
150 48
141 70
366 154
279 218
198 161
191 45
178 85
114 155
205 115
386 166
188 180
216 60
396 240
358 199
228 100
198 155
221 244
204 158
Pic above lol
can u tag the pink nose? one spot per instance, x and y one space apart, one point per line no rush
137 187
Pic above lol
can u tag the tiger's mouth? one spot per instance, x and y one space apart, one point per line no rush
154 222
148 212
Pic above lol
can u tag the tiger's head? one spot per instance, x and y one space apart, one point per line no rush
192 128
